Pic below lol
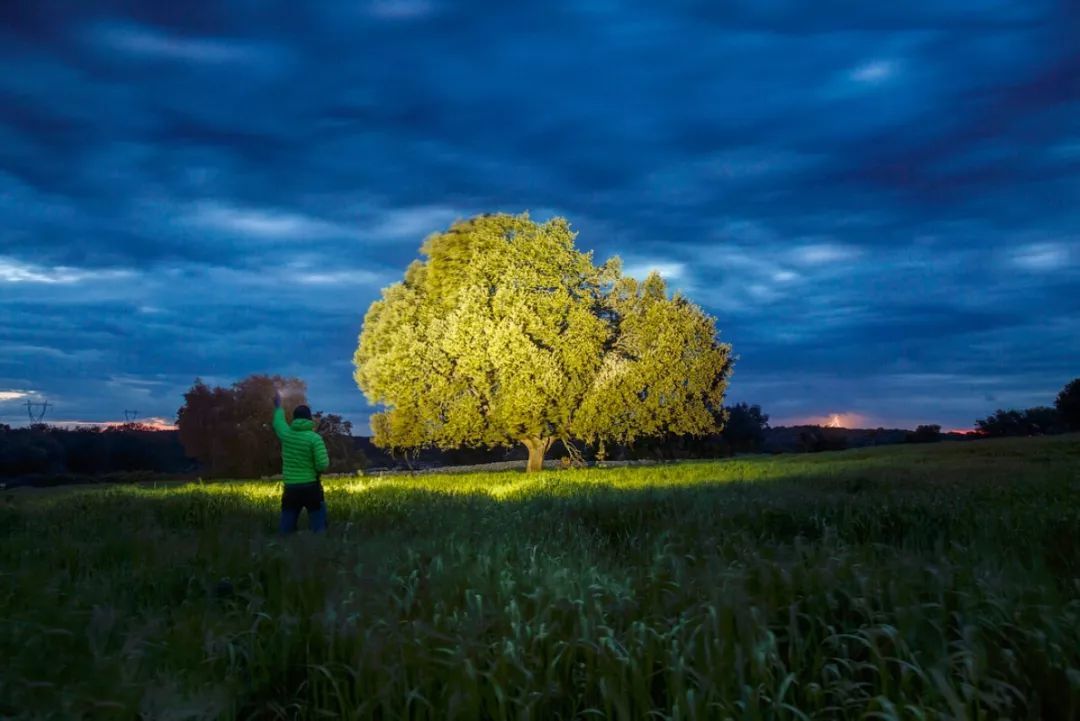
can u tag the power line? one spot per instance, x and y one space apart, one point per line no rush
37 416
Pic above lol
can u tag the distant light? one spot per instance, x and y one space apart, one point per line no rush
848 420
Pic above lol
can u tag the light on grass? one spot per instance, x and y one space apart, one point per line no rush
356 485
742 588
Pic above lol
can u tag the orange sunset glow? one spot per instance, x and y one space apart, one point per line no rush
148 424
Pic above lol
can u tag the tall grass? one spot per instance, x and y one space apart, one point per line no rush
900 583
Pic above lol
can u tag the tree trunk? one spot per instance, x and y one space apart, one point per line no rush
537 448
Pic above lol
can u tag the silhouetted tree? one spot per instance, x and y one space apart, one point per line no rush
345 457
228 429
45 451
745 428
199 421
925 434
31 451
815 439
1044 421
1068 405
1038 421
1002 423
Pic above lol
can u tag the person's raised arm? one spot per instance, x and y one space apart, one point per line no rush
281 428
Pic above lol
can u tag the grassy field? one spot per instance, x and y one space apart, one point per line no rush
906 582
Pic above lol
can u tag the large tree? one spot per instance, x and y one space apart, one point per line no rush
506 333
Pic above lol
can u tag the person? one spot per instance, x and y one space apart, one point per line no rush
303 459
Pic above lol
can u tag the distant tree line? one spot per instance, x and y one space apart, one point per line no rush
742 430
225 432
222 433
930 433
43 451
1063 417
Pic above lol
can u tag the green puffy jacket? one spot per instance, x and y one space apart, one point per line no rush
303 453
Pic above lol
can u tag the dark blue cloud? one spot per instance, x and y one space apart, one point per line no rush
879 202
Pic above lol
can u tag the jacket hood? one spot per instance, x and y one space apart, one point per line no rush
302 424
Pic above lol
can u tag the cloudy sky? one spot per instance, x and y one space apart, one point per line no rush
878 201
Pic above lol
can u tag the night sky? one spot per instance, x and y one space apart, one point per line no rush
878 201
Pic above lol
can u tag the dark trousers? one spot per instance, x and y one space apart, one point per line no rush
298 496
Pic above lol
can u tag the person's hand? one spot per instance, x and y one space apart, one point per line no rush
277 399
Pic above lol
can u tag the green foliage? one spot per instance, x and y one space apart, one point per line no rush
1068 404
938 581
506 333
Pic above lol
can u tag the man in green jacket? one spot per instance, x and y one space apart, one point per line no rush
303 459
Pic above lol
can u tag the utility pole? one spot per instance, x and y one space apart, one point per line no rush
36 411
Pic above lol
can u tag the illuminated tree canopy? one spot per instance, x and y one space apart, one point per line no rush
506 333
